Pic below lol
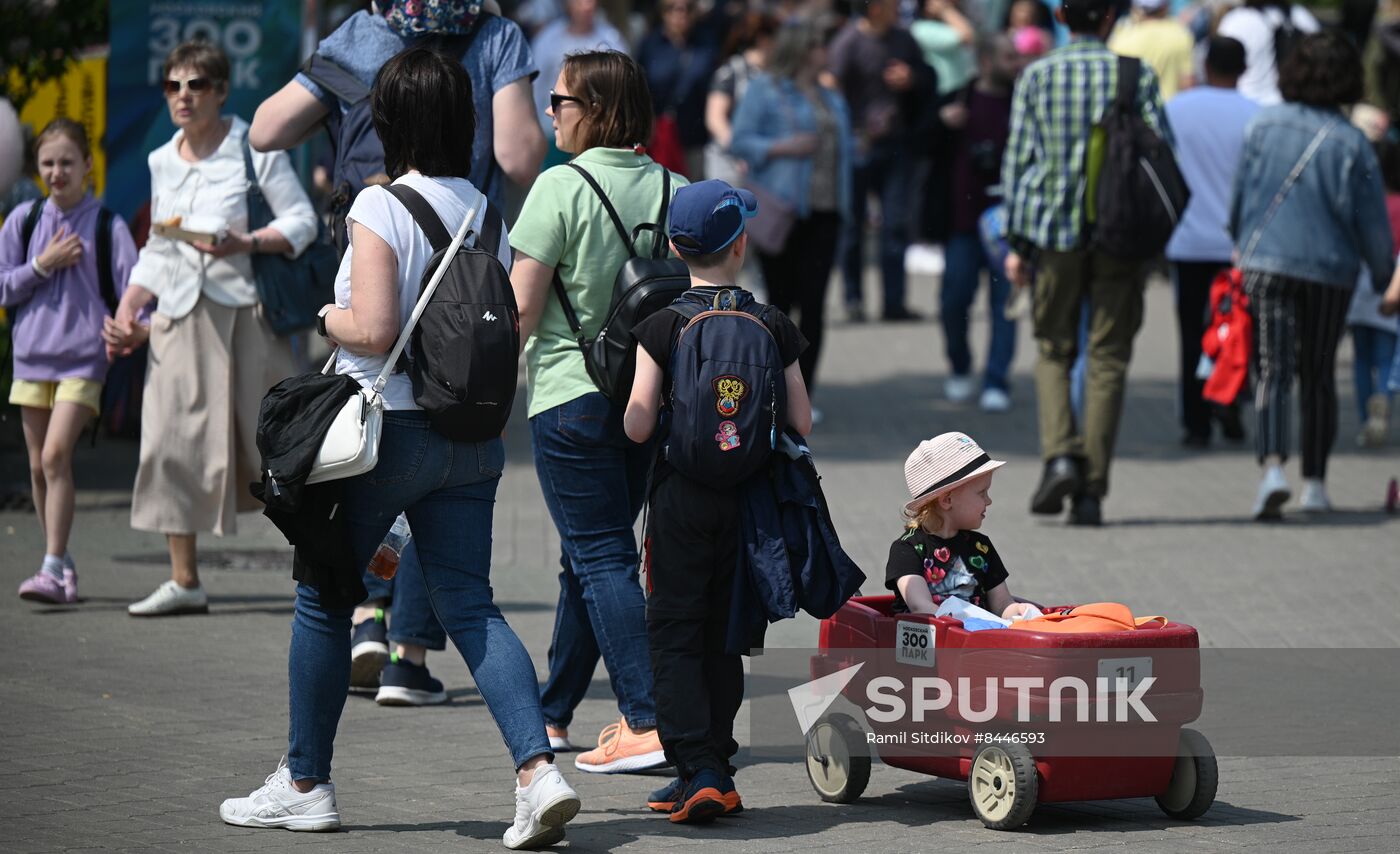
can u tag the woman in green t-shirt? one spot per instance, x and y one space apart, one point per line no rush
592 476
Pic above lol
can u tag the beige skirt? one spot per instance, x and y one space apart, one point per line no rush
205 379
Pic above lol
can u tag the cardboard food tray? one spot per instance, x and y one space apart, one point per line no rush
175 232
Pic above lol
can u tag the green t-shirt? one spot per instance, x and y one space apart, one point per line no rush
564 225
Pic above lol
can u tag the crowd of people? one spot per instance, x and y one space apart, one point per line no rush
761 144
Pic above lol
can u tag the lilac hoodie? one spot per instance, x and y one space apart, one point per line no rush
56 322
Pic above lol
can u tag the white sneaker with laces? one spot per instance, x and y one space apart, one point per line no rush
995 400
171 599
541 810
1314 499
279 805
1273 493
959 389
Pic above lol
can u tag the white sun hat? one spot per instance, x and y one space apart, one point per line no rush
943 463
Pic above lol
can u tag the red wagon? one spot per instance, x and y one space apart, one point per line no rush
1009 774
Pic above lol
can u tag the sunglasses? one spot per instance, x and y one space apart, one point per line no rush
194 84
556 100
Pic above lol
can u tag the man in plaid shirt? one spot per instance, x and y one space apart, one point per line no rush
1057 102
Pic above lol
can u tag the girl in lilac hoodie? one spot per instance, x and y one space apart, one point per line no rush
52 292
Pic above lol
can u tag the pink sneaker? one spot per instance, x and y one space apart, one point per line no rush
43 587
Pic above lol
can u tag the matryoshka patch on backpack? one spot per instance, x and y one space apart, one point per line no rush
729 392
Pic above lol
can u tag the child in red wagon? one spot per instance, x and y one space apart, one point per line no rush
942 554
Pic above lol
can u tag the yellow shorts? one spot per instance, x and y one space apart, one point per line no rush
43 394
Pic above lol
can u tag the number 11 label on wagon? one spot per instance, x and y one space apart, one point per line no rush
914 644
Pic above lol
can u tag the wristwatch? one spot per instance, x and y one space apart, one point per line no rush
321 320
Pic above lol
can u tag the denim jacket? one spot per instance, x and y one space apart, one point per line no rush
772 110
1333 219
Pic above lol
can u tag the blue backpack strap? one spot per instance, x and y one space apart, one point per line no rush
335 79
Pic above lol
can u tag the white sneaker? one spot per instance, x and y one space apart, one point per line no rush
1377 426
1273 493
1314 498
924 259
278 804
995 400
171 599
959 389
541 810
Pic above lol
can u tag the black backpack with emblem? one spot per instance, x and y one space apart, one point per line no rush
464 353
728 402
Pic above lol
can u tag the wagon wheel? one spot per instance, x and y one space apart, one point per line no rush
1003 785
838 759
1194 778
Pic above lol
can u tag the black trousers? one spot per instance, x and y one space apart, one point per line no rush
1193 280
799 275
1298 325
692 543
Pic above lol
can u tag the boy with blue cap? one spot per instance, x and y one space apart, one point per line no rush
693 536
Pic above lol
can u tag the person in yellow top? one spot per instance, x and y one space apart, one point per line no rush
1162 42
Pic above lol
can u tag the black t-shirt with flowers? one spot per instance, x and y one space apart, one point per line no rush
965 565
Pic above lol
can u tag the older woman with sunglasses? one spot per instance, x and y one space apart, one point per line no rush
212 355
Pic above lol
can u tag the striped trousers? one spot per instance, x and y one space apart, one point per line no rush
1298 325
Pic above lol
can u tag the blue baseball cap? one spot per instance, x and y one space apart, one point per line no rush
708 216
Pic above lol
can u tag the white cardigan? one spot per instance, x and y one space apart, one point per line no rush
217 186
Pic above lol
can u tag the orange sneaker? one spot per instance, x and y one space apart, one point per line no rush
620 750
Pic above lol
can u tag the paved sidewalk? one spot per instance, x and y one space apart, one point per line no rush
126 734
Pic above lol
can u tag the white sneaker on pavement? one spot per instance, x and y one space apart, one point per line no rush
171 599
995 400
1273 493
279 805
1314 499
541 810
959 389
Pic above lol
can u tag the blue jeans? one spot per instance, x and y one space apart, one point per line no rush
966 259
448 490
1374 352
411 618
887 172
594 483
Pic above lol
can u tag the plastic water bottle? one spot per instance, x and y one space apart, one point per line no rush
386 558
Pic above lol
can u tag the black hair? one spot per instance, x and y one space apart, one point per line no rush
422 109
1225 56
1086 16
1324 70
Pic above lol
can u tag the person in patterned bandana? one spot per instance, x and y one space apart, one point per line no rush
941 552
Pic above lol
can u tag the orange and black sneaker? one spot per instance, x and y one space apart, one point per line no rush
664 799
705 797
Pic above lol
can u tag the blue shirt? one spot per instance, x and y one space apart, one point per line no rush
1209 124
497 57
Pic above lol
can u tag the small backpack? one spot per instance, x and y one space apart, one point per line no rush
642 287
728 403
102 248
359 155
465 350
1138 194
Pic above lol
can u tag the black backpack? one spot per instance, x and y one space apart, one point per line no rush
102 247
359 155
728 402
465 351
642 287
1140 194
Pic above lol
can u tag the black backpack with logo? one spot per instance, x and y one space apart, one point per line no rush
1140 194
359 155
728 402
644 286
465 351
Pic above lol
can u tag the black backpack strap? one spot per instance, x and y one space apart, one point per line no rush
31 222
659 249
106 283
608 206
335 78
569 314
1129 70
489 240
423 214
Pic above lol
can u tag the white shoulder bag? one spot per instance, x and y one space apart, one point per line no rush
351 445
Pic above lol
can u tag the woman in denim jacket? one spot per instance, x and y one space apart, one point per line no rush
1301 252
795 136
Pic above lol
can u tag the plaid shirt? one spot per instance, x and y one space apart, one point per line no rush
1057 102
